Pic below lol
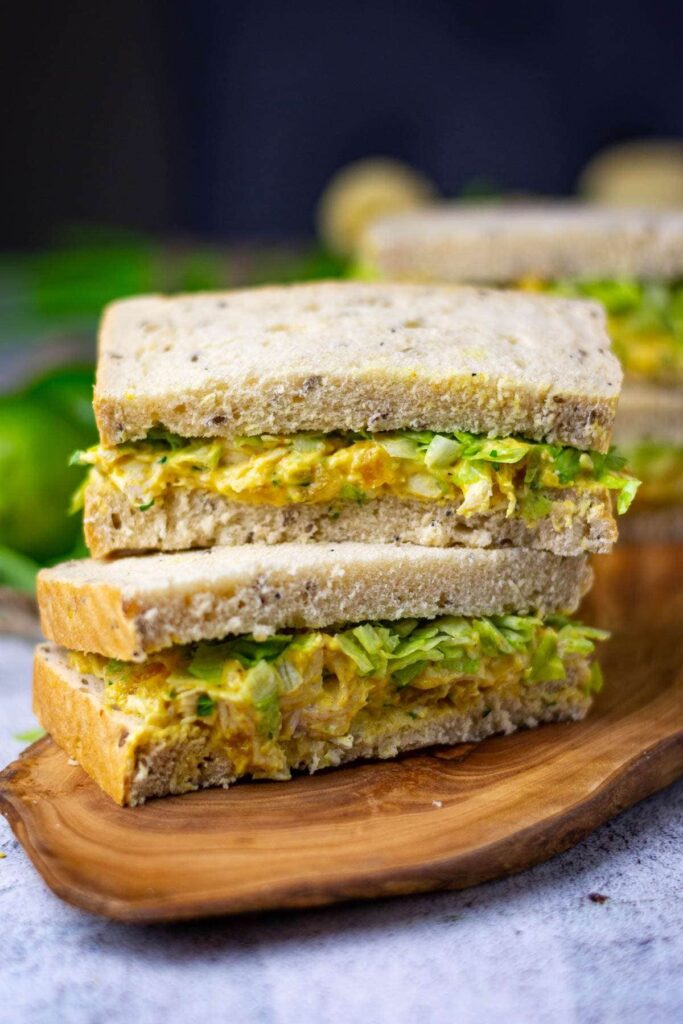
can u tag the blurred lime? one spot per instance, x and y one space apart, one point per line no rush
68 390
35 444
360 193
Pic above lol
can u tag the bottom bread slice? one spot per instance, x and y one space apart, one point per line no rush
131 765
578 522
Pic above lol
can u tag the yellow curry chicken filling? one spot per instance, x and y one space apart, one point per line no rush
268 704
481 474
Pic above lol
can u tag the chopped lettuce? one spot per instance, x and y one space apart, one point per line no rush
209 657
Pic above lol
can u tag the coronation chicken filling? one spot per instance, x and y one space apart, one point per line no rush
481 474
266 704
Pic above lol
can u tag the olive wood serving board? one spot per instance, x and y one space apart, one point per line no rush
447 818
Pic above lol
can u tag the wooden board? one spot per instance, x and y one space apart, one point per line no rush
449 818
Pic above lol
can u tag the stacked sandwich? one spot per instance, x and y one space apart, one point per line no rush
629 260
371 506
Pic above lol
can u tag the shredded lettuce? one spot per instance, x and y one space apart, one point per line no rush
399 650
209 657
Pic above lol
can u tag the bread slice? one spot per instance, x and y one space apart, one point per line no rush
129 607
132 766
357 356
454 242
649 412
580 521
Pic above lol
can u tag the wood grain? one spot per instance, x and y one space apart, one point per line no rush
447 818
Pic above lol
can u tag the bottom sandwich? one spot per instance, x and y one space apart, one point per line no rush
267 692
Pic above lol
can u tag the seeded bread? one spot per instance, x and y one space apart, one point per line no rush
649 412
357 356
108 746
580 522
502 243
131 606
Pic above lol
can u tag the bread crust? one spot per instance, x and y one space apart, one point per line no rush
109 748
182 519
483 243
129 607
357 356
69 707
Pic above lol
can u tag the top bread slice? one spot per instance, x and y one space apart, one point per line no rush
130 607
357 356
503 243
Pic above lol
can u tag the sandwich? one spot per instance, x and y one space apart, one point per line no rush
629 260
172 672
354 411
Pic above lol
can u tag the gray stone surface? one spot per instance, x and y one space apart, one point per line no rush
532 949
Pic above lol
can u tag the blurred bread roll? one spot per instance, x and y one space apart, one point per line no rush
362 192
645 172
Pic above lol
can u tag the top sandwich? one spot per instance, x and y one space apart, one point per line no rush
630 260
368 411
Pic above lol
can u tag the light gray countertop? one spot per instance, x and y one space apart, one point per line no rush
530 949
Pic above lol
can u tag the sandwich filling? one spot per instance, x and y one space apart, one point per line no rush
659 465
271 704
480 474
645 321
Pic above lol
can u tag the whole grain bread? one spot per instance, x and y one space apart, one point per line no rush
579 522
357 356
454 242
109 747
649 412
131 606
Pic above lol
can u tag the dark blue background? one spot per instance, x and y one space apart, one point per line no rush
227 119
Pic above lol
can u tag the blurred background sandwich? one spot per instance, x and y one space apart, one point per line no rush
630 260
